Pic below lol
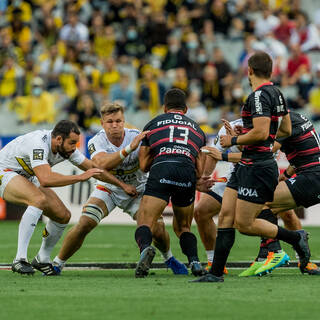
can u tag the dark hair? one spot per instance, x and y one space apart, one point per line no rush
175 99
63 128
261 64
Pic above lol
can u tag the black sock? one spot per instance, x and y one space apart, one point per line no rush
143 237
188 244
274 245
224 243
263 252
291 237
268 244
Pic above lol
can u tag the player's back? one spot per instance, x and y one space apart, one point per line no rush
174 137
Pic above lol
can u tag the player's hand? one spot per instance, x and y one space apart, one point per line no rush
228 127
282 177
225 141
137 139
212 152
204 184
93 172
130 190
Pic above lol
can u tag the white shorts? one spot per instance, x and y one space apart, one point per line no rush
118 198
6 176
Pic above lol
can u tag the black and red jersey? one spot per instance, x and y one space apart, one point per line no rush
174 137
265 101
302 148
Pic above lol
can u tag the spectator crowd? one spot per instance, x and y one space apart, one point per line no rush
66 57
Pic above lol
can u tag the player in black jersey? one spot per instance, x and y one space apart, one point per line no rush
171 152
255 178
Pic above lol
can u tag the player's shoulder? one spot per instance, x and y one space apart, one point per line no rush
100 135
132 131
237 122
38 137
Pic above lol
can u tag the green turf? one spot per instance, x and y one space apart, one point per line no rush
109 294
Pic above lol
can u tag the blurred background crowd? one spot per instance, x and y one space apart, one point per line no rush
61 59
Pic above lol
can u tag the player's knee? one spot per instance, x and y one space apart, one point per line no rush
39 201
242 226
84 226
66 216
200 216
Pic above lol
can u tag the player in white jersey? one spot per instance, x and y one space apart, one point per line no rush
210 202
115 148
25 178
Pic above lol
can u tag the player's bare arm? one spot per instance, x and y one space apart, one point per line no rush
259 132
204 183
106 176
145 158
285 128
109 161
49 178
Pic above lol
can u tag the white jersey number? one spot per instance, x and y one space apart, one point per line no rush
184 134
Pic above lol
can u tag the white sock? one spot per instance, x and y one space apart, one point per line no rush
210 255
58 262
51 235
27 225
167 255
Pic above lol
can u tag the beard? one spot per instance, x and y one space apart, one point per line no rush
63 153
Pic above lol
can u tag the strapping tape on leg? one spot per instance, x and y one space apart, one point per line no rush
94 212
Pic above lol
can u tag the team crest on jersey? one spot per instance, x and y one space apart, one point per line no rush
1 179
216 139
91 148
38 154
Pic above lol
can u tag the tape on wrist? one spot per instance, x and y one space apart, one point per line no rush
234 141
224 156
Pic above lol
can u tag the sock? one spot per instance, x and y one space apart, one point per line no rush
224 243
143 236
58 262
263 252
272 245
27 225
50 236
188 244
167 255
291 237
210 254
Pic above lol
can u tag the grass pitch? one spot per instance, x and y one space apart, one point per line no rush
116 294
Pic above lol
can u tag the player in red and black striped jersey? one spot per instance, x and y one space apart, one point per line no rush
302 150
255 178
171 152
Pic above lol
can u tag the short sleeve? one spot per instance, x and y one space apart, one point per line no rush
95 147
260 104
39 153
77 158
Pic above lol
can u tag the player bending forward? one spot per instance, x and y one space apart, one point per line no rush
26 178
115 148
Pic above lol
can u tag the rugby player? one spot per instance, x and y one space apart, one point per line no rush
26 178
210 202
255 178
171 152
115 148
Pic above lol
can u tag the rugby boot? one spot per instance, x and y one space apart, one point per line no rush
22 266
209 277
208 267
302 248
176 266
274 260
311 269
196 269
255 265
144 262
47 268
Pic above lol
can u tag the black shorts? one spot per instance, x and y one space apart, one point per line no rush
305 188
173 180
215 196
255 183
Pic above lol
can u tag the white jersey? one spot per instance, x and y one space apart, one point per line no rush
232 149
128 170
33 149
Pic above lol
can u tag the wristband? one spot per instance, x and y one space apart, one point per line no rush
286 174
224 156
234 141
125 152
